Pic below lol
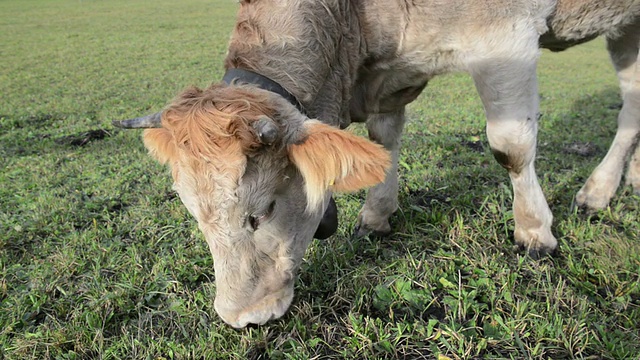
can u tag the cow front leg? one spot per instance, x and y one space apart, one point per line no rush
605 179
508 89
382 199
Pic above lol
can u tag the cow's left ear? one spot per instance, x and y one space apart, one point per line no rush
333 159
160 144
162 147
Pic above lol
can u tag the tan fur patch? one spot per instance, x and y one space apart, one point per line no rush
160 144
216 122
334 159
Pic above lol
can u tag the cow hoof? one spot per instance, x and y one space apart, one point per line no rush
535 254
371 224
362 231
378 229
537 242
591 201
594 197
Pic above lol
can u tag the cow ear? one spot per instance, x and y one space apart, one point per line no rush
162 147
336 160
160 144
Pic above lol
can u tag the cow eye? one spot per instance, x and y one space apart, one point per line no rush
257 219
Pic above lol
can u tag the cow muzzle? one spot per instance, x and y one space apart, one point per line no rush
270 307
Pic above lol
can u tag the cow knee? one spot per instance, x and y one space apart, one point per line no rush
513 142
513 161
513 155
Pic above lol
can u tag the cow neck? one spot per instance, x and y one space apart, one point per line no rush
241 76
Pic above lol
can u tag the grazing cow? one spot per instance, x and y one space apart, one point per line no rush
257 172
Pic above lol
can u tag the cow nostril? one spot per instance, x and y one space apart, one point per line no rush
252 326
254 222
257 219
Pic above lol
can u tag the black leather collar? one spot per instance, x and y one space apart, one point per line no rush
263 82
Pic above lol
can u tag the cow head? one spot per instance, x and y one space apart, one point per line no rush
257 175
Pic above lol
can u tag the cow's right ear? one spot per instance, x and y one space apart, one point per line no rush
331 159
161 145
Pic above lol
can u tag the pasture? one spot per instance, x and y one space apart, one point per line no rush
100 260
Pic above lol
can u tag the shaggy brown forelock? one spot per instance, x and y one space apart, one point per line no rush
215 121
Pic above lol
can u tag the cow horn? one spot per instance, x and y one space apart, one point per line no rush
149 121
267 130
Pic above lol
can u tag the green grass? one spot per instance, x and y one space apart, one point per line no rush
99 259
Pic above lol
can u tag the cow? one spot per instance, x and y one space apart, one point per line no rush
256 157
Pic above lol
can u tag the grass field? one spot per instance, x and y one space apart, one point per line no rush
99 259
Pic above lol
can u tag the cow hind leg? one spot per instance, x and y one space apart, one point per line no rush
508 88
382 199
605 179
633 174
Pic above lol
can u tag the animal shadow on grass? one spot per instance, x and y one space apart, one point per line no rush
573 146
570 146
321 280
